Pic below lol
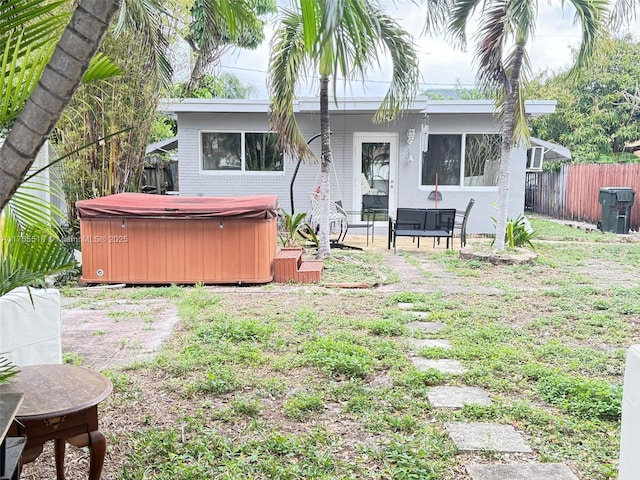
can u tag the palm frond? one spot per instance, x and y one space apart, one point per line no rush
30 245
288 56
621 12
101 68
592 16
40 21
309 18
144 18
436 14
461 12
7 370
491 39
21 69
406 73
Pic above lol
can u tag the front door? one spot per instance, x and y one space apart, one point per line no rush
375 165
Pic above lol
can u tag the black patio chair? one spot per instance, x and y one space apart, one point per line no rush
461 222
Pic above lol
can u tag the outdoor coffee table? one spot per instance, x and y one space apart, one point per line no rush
60 404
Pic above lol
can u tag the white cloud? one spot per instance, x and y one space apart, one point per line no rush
440 64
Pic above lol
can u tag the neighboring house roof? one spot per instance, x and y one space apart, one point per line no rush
350 105
633 146
552 151
163 146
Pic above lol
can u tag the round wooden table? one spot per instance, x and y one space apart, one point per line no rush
61 404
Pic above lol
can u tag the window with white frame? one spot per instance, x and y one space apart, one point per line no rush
469 160
241 151
534 158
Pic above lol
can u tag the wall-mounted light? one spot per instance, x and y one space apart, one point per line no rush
409 156
411 133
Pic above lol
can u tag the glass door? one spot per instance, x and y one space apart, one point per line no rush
376 161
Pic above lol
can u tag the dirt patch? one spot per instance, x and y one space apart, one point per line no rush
113 333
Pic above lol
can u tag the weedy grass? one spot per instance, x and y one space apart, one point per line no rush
357 267
316 383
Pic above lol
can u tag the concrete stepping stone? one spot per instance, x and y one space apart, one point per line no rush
426 326
443 365
418 314
420 343
492 437
457 397
521 471
405 306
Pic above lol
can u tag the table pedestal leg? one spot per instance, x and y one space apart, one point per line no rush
59 447
98 448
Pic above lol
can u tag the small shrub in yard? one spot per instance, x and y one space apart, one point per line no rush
337 357
518 233
301 404
587 398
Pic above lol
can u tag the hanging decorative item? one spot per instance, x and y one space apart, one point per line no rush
424 134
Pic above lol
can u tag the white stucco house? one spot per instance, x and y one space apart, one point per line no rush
225 148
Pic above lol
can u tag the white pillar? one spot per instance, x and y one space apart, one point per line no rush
630 430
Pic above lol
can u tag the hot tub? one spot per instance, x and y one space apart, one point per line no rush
137 238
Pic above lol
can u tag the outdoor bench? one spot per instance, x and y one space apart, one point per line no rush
433 223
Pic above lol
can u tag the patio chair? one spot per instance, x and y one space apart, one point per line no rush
461 222
338 224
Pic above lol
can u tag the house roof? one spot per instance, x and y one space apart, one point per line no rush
552 151
348 105
162 146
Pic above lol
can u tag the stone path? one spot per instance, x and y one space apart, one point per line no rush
521 471
426 327
487 437
457 397
475 436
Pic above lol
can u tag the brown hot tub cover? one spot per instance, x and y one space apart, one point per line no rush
169 206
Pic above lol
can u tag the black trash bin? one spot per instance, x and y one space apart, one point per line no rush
616 209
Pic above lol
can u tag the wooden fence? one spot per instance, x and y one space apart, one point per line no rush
572 193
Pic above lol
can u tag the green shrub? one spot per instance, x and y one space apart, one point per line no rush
518 234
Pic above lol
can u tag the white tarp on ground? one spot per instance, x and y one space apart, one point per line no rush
30 333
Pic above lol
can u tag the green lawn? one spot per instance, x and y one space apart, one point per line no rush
300 383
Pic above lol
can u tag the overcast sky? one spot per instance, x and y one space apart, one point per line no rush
440 65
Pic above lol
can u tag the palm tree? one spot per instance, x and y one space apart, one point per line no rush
209 40
331 38
55 87
501 53
29 29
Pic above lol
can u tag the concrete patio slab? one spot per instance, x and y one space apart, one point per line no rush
405 305
457 397
418 343
521 471
493 437
442 365
426 326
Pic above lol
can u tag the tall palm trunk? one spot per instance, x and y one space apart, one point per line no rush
59 81
512 85
326 157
